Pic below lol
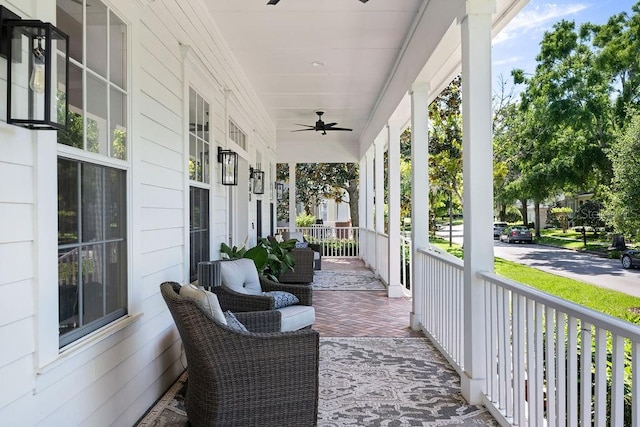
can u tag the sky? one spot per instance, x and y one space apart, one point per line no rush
519 42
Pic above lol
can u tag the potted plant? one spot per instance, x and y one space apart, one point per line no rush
272 258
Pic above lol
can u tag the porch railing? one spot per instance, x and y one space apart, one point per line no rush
405 262
382 257
535 372
441 274
343 242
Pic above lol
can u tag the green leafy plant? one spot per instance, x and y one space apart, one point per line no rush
304 220
271 257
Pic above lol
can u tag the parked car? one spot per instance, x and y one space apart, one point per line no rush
498 227
516 233
630 258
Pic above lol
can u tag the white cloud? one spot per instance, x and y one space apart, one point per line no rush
507 61
537 18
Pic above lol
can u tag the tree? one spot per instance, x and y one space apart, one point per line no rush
622 207
588 214
445 140
315 181
562 214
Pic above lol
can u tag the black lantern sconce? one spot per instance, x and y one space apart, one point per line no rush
257 178
229 160
279 190
37 55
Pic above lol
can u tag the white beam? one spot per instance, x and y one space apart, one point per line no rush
478 188
419 193
370 250
379 200
362 194
394 129
292 197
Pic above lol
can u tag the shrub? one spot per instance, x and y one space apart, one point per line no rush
304 220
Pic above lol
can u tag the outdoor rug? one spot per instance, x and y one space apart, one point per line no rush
326 280
370 382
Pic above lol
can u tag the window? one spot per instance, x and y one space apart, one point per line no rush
199 164
198 229
92 247
199 169
237 136
97 78
92 197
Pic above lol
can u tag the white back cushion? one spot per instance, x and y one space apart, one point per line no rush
241 275
208 301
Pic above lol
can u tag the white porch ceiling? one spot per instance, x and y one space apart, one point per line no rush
371 54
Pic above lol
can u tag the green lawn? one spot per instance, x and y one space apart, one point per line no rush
614 303
573 240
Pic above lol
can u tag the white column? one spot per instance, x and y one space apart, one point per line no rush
419 193
395 287
371 240
379 201
362 206
478 188
362 194
292 197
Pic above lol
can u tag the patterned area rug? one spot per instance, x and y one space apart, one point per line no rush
369 382
325 280
390 382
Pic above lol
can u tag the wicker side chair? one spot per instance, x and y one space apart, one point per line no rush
303 268
245 378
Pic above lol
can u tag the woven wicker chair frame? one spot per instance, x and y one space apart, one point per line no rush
257 378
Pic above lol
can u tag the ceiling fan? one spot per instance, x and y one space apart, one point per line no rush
274 2
321 126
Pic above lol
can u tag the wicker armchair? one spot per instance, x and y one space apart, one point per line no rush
229 385
303 268
242 290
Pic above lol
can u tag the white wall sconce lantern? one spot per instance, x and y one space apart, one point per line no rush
37 55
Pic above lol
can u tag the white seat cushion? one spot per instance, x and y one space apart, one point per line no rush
241 275
316 255
297 317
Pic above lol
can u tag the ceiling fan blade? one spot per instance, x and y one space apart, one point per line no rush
364 1
328 125
347 129
302 130
274 2
300 124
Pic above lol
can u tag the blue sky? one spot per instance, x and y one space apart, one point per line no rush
518 43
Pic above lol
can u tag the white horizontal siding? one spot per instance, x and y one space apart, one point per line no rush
16 346
113 381
20 305
21 178
161 176
16 261
12 214
161 259
18 381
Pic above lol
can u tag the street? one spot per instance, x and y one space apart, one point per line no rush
607 273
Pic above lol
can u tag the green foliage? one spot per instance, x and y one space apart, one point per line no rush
317 181
622 209
270 257
588 214
305 220
562 213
